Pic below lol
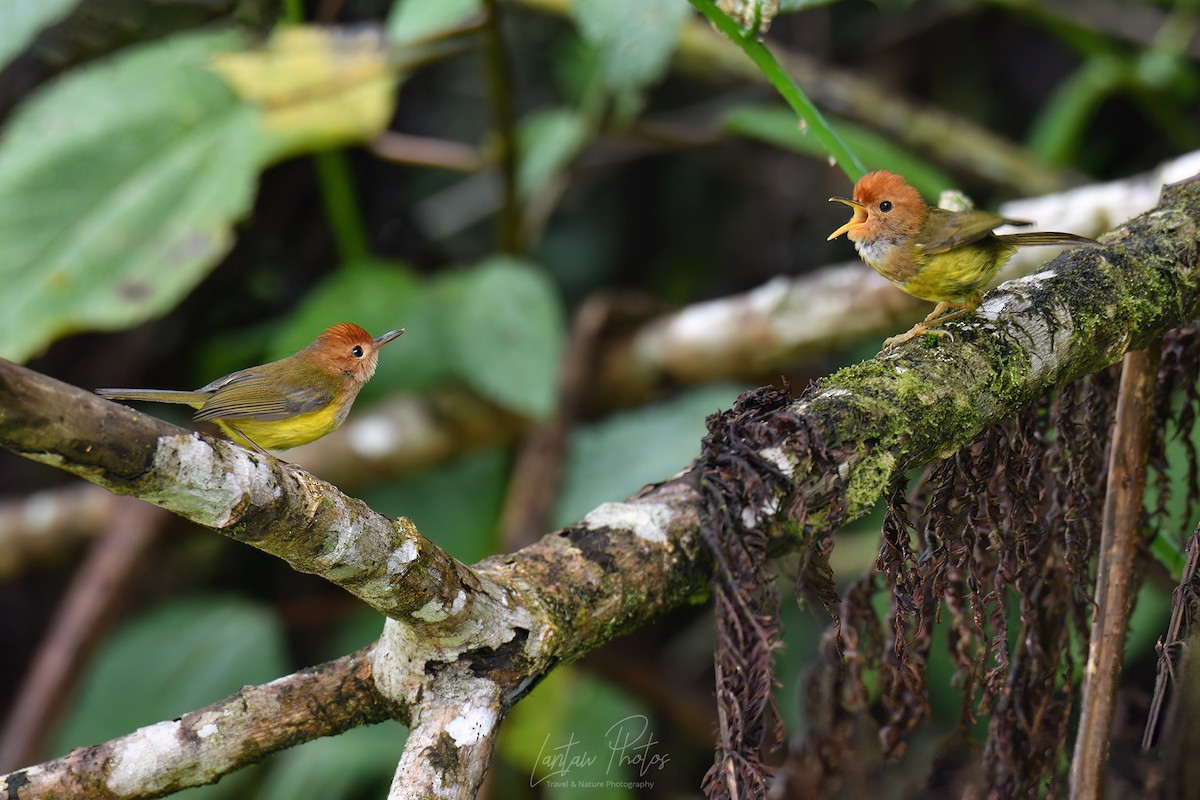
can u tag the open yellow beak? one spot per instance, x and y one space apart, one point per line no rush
859 218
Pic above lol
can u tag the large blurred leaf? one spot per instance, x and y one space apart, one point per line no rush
778 126
358 763
503 325
414 20
315 87
118 186
637 37
172 659
380 297
21 20
612 459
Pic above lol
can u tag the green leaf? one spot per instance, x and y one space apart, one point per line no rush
22 20
779 126
358 763
380 297
611 460
636 37
172 659
417 20
503 326
548 140
118 188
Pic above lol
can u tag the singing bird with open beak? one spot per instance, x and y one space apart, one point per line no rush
947 257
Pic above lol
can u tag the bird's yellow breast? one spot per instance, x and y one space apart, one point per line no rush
280 434
953 275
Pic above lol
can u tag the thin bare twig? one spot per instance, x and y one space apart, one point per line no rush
425 151
1115 579
536 479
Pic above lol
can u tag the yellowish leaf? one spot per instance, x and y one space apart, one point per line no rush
315 87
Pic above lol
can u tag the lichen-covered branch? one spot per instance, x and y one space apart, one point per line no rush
201 746
799 468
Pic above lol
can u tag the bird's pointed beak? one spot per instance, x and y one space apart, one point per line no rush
859 218
387 337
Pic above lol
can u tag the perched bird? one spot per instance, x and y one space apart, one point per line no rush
288 402
944 256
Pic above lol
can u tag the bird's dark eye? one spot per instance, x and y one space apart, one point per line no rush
885 206
357 351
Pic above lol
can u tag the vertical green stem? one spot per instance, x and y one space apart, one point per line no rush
293 11
336 186
783 83
337 191
499 80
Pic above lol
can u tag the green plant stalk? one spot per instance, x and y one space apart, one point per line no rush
293 11
842 155
333 178
499 79
337 192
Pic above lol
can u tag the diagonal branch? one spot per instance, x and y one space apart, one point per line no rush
203 745
512 618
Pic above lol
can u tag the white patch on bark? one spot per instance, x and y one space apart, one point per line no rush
210 488
399 560
471 725
143 761
647 521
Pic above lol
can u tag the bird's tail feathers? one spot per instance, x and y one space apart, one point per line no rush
193 399
1045 237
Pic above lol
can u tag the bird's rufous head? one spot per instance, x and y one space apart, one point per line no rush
885 205
348 349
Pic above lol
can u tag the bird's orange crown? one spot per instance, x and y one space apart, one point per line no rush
350 350
884 205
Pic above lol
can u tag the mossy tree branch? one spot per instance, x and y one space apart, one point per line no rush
511 618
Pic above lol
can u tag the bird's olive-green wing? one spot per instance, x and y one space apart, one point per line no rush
251 395
946 230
